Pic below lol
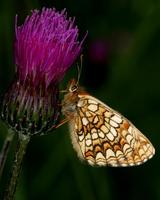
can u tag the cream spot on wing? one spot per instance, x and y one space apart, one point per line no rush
90 162
109 153
124 133
114 164
90 101
94 136
126 148
99 155
94 133
107 125
131 164
119 153
145 160
113 131
104 129
95 120
118 115
110 136
101 162
150 156
88 142
80 103
116 119
93 130
138 163
129 138
93 107
85 121
107 114
80 133
81 137
88 114
114 124
101 134
106 119
130 129
124 164
100 159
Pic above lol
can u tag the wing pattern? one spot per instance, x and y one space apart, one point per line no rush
102 136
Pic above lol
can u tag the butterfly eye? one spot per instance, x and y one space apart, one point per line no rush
73 88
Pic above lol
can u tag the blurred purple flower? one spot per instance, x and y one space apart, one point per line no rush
46 46
99 50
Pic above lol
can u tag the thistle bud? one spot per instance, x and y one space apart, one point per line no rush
46 46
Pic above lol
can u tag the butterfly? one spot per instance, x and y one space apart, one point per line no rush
100 135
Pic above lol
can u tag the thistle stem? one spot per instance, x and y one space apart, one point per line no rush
23 141
5 149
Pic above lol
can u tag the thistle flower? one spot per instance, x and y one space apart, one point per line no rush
46 46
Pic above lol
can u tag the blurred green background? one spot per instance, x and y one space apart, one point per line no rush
121 67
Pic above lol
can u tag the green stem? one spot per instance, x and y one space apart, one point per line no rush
23 141
5 149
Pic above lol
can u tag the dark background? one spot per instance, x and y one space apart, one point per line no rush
121 67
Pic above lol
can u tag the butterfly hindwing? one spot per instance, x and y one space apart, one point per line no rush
102 136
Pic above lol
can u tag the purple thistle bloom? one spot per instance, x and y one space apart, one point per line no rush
46 46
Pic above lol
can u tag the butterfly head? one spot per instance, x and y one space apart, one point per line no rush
73 86
70 98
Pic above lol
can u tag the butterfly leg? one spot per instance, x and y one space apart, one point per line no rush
60 124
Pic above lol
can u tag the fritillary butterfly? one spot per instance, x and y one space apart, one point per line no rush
100 135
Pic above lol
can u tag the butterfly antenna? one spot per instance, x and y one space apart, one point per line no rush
79 68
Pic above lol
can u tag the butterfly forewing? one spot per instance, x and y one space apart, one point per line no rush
102 136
